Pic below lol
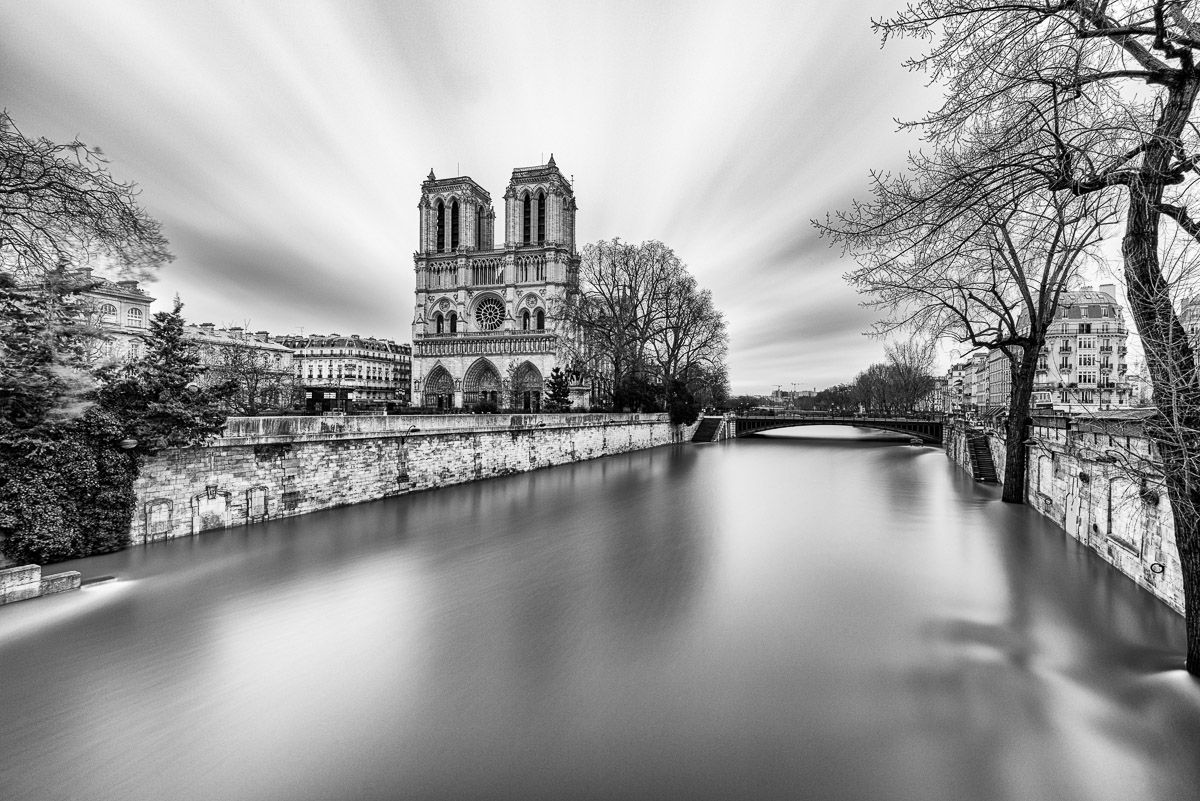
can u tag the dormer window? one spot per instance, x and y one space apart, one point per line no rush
134 318
108 313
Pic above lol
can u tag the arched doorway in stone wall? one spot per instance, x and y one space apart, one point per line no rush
527 388
439 389
481 384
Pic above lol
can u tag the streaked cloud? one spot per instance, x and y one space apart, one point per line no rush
283 143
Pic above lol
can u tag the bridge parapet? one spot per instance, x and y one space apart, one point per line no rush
929 430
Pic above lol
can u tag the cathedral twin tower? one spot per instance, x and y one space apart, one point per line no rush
483 327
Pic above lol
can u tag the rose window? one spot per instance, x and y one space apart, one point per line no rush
489 314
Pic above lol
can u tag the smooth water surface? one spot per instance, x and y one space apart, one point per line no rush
770 618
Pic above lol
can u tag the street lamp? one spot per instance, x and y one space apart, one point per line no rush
402 478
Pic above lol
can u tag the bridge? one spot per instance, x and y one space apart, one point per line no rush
928 430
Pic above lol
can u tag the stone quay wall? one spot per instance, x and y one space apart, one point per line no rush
267 467
1096 477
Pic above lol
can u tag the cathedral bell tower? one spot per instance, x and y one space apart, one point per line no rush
484 331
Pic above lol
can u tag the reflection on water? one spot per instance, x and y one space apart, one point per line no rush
780 617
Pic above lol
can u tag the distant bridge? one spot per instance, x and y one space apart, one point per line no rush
929 430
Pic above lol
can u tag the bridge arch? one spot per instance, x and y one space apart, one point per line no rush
928 430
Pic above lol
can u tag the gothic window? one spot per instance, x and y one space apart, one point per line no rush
441 227
489 314
108 313
454 225
541 320
541 217
453 322
526 204
479 227
133 318
440 323
523 271
525 321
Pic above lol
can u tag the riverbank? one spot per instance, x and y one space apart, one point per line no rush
1094 476
270 467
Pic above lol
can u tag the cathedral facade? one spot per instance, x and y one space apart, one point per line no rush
484 325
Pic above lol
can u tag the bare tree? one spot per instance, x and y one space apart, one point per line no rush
1107 90
640 320
910 364
981 264
252 376
59 204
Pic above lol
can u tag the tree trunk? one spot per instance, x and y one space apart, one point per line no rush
1172 368
1016 428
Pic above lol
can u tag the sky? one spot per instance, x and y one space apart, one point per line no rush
283 144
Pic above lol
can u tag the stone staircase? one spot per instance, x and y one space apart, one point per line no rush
982 467
709 429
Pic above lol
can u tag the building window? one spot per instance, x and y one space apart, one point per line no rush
134 318
526 208
453 322
525 321
489 314
541 217
440 235
108 313
454 225
135 350
1085 328
479 227
440 323
541 320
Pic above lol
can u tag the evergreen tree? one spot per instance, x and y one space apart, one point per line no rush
157 398
558 391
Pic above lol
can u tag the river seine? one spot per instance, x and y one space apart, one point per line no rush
771 618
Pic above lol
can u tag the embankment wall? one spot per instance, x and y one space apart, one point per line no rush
277 467
1096 478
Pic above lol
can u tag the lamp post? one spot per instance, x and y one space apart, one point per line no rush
402 478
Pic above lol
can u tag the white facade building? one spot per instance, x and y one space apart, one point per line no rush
1083 366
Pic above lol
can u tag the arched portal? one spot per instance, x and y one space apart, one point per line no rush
481 384
439 389
527 388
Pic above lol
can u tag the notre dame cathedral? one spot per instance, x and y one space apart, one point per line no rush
484 329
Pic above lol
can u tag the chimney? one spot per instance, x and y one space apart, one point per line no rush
1110 290
207 327
263 334
130 285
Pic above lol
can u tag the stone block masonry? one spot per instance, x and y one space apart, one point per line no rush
277 467
25 582
1095 478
